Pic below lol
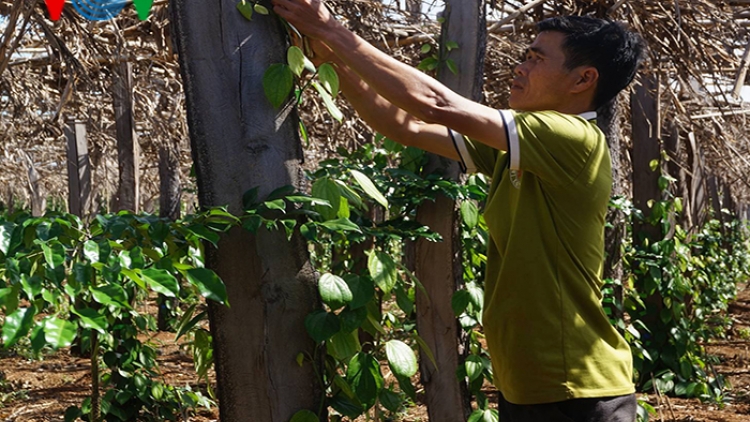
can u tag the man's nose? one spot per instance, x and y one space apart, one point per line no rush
520 69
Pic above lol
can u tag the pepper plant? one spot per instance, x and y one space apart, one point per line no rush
63 279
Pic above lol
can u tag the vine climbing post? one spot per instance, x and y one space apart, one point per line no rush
239 141
438 265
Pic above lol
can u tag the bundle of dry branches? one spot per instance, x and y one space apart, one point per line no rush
53 72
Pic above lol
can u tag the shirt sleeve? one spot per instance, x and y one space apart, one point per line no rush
474 156
553 146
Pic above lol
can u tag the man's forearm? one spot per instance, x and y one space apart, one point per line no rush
402 85
387 119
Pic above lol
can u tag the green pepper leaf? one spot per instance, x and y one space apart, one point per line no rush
161 281
304 415
401 358
58 332
111 295
369 187
363 374
334 291
382 270
474 367
296 60
329 78
92 319
209 284
278 81
246 9
321 325
17 325
328 101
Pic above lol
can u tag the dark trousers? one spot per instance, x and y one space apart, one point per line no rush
600 409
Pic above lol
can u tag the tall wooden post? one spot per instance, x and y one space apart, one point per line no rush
608 121
127 144
79 169
644 106
644 103
438 264
240 141
697 184
169 181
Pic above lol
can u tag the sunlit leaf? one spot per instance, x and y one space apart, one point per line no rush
328 101
92 319
110 295
341 224
329 79
246 9
91 251
161 281
334 291
326 189
344 345
58 332
470 214
474 367
17 325
369 187
6 232
382 270
296 60
401 358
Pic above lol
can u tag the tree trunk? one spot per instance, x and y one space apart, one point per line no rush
127 144
239 141
438 265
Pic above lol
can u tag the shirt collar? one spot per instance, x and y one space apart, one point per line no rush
588 115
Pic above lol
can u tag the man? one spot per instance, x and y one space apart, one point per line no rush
555 355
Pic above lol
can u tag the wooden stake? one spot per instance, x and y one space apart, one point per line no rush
79 169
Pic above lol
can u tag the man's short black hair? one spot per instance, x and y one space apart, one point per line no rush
606 45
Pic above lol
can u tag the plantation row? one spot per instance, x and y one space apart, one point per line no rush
66 282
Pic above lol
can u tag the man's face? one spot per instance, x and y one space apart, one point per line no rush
542 82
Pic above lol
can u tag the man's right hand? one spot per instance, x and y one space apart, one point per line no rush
310 17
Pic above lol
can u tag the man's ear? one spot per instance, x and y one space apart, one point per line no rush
588 77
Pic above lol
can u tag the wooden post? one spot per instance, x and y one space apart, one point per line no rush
79 169
608 121
240 141
696 183
677 171
645 114
644 104
438 264
713 192
170 193
127 144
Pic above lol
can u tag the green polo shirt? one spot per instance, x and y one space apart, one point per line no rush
546 331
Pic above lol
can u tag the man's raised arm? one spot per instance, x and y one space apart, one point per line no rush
382 116
407 88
